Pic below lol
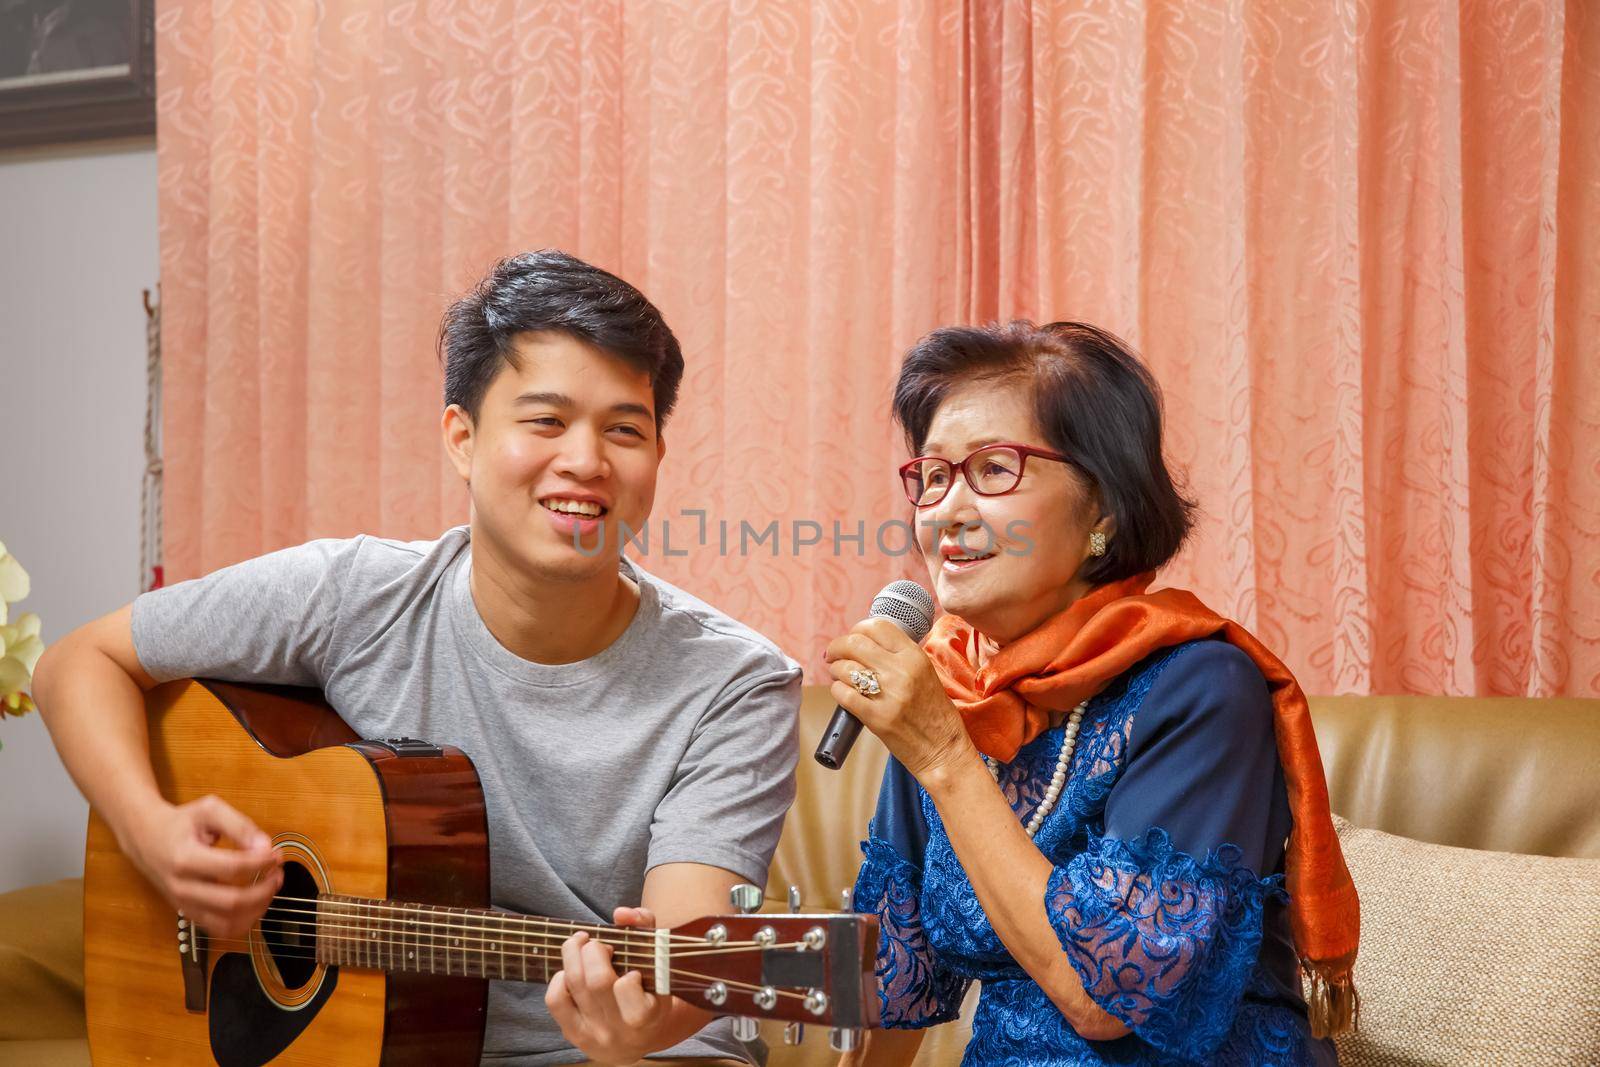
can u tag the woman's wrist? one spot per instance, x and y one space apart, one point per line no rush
952 770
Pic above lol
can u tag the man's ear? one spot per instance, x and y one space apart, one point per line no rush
661 447
456 426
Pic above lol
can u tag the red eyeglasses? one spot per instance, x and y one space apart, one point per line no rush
992 470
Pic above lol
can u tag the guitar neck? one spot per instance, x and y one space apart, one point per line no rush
468 942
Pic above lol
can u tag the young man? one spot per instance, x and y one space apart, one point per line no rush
636 747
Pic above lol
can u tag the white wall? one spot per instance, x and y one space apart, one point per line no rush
77 246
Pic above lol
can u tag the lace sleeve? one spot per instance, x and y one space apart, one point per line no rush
1161 941
914 989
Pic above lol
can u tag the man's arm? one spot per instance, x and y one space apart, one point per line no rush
613 1019
90 690
723 814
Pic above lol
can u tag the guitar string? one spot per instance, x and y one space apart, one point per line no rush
369 905
525 927
334 900
639 950
675 973
510 952
631 938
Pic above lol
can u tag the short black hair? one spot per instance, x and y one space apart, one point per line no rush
549 291
1095 403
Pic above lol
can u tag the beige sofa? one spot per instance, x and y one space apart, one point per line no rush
1474 838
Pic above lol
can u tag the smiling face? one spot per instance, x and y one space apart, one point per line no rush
562 455
1007 563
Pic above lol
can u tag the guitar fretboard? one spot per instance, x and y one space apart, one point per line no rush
468 942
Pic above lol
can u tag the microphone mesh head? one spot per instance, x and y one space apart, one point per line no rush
908 605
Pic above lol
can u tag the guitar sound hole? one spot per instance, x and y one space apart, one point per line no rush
289 927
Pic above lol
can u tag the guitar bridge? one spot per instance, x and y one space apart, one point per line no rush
193 955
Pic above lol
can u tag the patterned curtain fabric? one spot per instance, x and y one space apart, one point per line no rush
1358 242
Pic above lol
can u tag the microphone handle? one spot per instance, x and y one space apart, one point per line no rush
843 729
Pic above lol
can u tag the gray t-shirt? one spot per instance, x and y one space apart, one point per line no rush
675 744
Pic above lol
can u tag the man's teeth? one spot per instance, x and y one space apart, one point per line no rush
574 507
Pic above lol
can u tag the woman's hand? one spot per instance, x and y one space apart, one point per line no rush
911 714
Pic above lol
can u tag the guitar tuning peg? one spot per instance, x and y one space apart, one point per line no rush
745 1028
841 1039
794 898
745 898
794 1033
844 898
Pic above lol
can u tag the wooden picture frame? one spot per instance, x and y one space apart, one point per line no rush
76 70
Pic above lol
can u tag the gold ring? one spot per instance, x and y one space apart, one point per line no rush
866 682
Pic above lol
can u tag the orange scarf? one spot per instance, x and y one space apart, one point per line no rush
1072 656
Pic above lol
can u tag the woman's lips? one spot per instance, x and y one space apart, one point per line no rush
961 566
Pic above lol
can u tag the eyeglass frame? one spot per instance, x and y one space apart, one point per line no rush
960 467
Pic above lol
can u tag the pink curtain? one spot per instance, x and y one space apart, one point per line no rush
1359 243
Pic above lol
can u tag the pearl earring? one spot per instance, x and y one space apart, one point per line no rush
1097 544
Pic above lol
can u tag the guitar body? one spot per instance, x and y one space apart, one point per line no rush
388 820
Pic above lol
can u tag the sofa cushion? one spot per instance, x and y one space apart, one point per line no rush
1472 957
819 851
41 962
1504 773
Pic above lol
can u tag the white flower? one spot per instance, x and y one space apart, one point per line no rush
20 644
14 584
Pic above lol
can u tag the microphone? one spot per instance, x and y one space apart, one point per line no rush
908 606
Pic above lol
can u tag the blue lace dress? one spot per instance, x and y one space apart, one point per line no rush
1167 894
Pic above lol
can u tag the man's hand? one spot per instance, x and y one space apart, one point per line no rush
611 1019
221 890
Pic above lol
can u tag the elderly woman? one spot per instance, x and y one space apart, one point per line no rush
1105 805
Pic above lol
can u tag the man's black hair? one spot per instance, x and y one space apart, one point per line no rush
550 291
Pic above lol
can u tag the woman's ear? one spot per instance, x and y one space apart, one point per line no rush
456 426
1107 524
1094 505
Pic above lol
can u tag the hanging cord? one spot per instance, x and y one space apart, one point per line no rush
150 566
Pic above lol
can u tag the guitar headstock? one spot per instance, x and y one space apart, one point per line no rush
801 968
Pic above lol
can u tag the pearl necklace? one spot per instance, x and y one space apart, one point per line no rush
1069 741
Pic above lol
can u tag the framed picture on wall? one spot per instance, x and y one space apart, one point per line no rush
76 70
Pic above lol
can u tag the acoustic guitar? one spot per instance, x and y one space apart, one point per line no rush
380 944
